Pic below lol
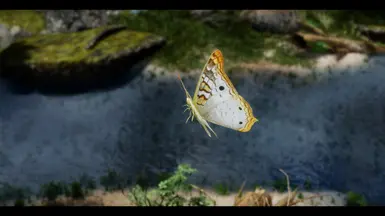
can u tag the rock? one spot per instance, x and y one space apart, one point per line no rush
269 53
76 20
217 18
276 21
113 12
29 22
18 32
201 13
63 60
6 37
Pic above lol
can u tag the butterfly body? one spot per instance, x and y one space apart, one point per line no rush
217 101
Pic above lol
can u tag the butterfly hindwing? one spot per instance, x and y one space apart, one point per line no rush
217 100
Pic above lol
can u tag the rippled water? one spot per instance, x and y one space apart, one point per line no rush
331 132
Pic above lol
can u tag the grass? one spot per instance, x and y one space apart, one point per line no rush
280 185
76 190
300 196
112 181
307 184
190 41
221 189
168 192
9 192
355 199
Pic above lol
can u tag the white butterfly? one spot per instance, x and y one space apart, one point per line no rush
216 100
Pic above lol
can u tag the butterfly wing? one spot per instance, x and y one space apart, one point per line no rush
218 101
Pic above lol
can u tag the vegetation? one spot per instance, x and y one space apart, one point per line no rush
18 194
190 40
112 181
172 190
221 189
355 199
342 22
280 185
307 184
300 196
76 189
168 192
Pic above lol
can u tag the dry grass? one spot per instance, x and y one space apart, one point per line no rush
262 198
96 198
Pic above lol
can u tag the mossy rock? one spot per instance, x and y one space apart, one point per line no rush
28 20
63 59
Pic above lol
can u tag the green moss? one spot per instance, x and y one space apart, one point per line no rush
189 41
69 48
31 21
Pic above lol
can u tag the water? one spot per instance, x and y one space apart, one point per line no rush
330 132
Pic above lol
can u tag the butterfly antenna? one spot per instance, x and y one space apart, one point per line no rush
184 87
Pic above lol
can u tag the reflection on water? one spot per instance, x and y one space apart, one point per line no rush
330 132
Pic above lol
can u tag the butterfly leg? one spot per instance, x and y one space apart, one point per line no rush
191 115
212 131
205 126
